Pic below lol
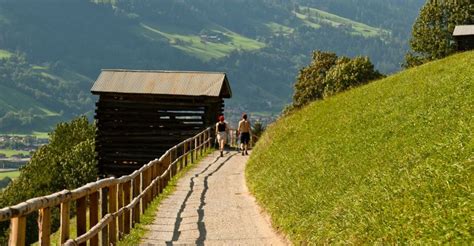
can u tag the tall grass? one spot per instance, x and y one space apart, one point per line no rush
389 162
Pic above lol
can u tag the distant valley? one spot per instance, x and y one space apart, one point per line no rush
51 51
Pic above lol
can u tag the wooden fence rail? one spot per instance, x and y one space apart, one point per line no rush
121 201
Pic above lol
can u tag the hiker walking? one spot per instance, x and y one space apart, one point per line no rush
221 133
244 130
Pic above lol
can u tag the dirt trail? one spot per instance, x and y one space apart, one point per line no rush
212 206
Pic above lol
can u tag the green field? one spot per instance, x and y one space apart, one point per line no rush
10 152
42 135
192 43
307 13
4 54
279 28
386 163
14 100
12 174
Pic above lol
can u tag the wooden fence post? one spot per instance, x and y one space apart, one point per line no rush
156 188
205 141
136 192
144 197
202 142
153 176
44 226
81 206
126 200
18 231
181 157
209 137
185 153
196 148
104 210
94 215
170 161
113 209
119 206
64 222
148 195
174 155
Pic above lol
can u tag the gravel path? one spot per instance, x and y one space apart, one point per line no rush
212 206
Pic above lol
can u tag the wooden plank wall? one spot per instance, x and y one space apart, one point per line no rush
134 128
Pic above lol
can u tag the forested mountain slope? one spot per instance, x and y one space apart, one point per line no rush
260 43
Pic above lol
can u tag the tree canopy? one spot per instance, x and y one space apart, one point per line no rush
432 32
67 162
329 74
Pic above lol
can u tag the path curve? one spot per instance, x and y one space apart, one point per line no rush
212 206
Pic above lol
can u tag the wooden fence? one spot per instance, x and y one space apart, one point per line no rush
120 201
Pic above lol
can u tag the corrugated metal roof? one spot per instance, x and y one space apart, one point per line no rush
463 30
184 83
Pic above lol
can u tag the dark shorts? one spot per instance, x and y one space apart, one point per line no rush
245 137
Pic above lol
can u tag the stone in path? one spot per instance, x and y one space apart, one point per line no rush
212 206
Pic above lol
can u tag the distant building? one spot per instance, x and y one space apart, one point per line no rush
142 114
464 36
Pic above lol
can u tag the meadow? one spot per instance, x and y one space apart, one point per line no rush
11 174
194 45
390 162
307 13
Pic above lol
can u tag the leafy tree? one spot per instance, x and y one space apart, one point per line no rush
432 32
67 162
348 73
329 74
310 83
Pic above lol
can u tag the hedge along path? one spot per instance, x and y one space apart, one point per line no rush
212 206
121 201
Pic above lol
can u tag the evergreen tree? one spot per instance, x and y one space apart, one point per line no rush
432 32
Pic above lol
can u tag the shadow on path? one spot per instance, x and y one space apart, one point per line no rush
200 222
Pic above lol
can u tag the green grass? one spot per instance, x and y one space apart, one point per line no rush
192 44
387 163
14 100
5 54
11 174
279 28
42 135
10 152
336 21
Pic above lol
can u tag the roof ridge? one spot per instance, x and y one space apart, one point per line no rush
160 71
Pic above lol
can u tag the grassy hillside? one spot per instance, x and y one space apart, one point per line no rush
312 17
389 162
193 44
4 54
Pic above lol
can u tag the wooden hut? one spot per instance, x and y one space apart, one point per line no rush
464 36
141 114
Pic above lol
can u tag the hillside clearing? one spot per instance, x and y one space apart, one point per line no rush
311 16
10 174
10 152
5 54
201 48
388 163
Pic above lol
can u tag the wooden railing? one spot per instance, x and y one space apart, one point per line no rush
120 201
